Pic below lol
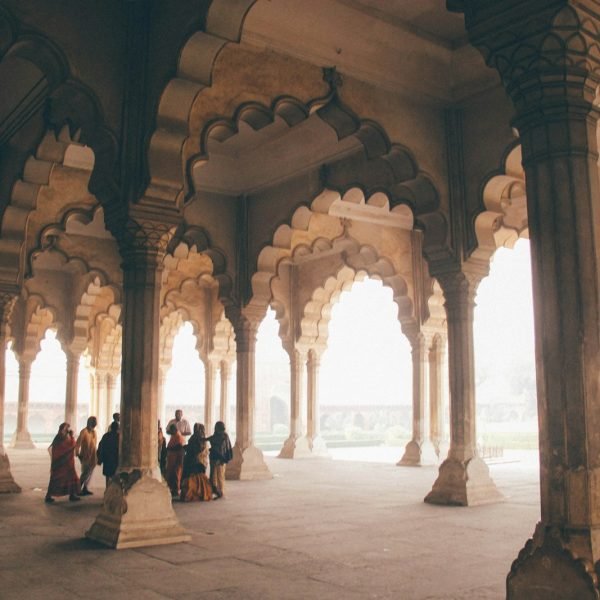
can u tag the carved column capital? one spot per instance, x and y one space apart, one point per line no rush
459 290
314 358
145 240
545 53
245 330
143 232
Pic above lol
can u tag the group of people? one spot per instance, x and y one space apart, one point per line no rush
185 465
64 480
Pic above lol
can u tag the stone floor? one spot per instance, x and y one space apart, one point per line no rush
325 529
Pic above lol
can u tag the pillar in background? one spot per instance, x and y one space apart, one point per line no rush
436 395
71 389
7 483
464 478
248 461
22 437
210 372
225 373
297 444
137 508
420 450
111 384
313 424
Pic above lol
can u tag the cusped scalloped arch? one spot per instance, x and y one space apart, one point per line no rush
52 151
504 219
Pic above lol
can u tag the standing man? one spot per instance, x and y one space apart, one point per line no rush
108 452
117 420
85 449
182 425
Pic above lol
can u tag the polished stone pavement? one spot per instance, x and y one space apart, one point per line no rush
322 529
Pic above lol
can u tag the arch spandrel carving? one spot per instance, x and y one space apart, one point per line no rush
30 320
44 194
505 219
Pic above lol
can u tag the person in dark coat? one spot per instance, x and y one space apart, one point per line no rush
220 454
108 452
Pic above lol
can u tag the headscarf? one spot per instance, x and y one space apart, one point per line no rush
58 438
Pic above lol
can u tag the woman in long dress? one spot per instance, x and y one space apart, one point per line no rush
63 477
175 454
195 484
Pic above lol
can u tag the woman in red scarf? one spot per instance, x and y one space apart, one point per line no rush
63 477
175 453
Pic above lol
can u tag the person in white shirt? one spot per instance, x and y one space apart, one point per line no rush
182 425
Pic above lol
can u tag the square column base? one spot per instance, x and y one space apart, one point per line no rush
318 447
551 567
136 512
247 464
7 483
21 440
464 484
419 455
296 447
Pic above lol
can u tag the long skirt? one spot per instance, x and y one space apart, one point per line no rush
174 470
63 477
196 487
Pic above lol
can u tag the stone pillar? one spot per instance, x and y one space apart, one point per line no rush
93 407
101 387
111 384
420 450
162 409
463 478
224 402
137 508
7 483
436 395
297 444
22 437
549 66
313 425
209 394
248 461
71 389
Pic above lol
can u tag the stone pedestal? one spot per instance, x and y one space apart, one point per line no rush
7 483
419 454
464 483
137 508
247 464
420 450
137 511
248 461
463 478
